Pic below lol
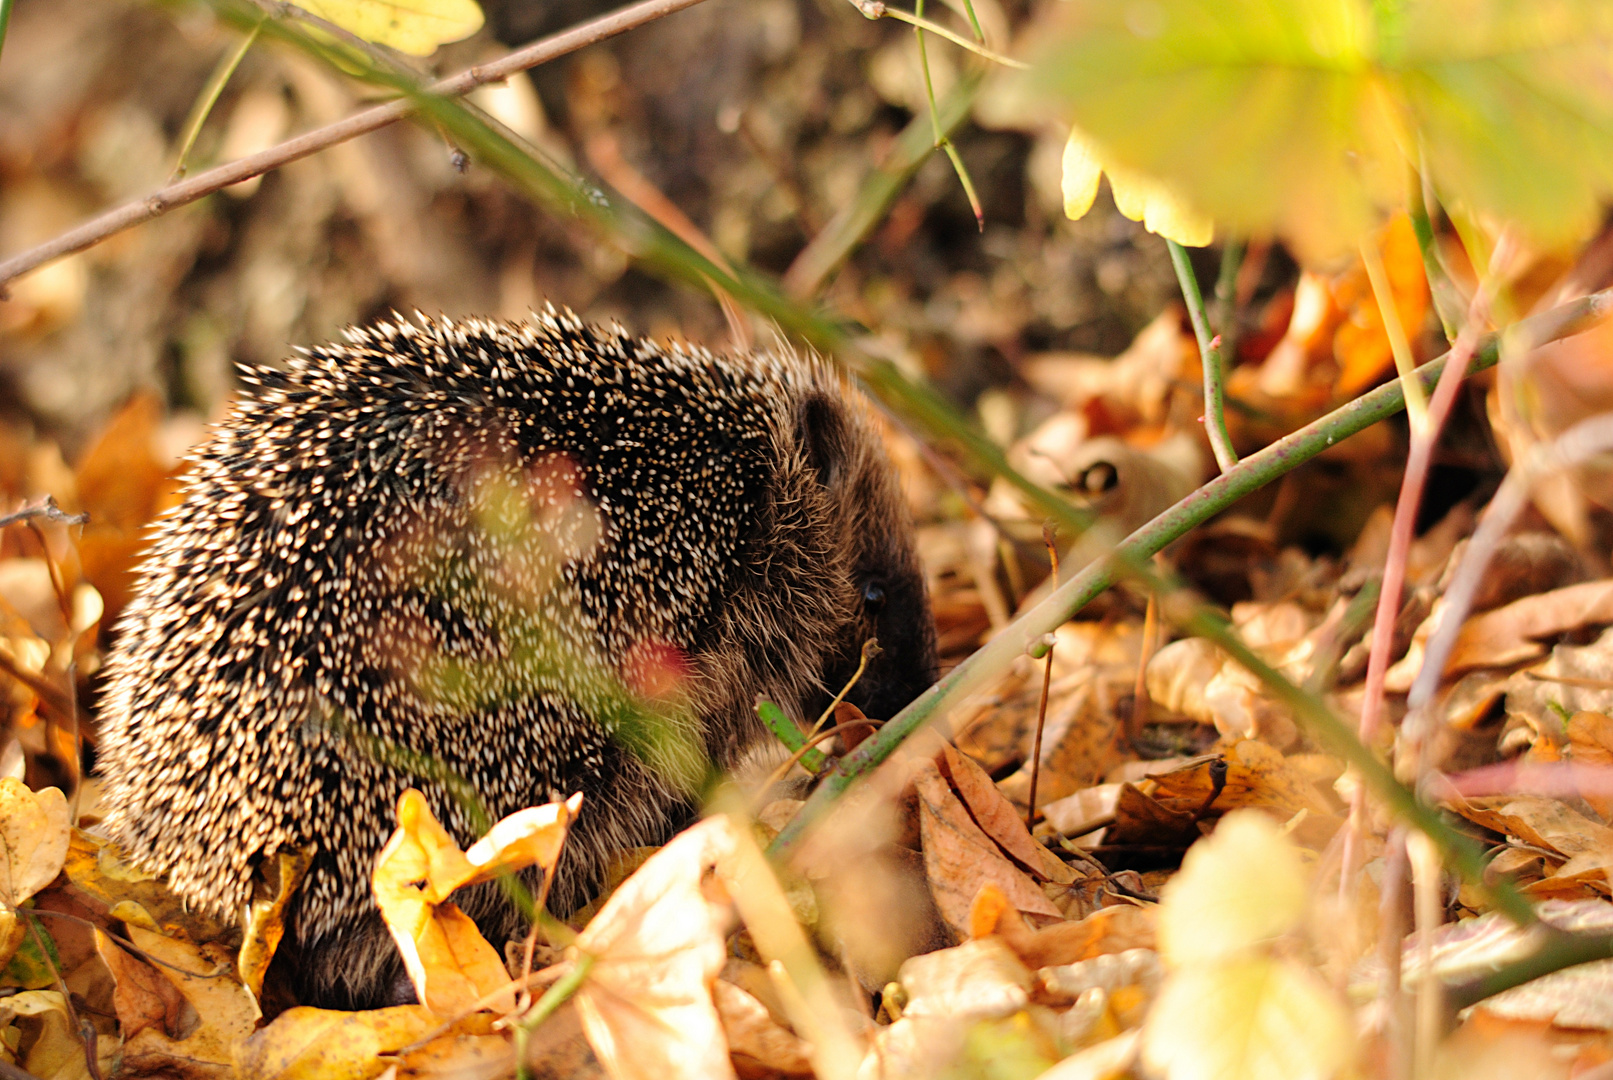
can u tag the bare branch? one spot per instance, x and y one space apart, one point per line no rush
186 191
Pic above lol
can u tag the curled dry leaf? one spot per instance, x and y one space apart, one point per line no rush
39 1019
265 917
451 965
959 859
657 946
1512 634
999 820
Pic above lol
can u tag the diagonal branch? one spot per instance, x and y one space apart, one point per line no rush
173 196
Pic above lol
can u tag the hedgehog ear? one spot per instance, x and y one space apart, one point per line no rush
821 428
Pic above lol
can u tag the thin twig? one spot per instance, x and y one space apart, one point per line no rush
1215 419
941 141
180 194
878 9
1048 535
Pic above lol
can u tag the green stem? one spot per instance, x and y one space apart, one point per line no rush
1448 302
836 240
1248 476
1226 292
560 992
941 141
1215 419
5 21
208 98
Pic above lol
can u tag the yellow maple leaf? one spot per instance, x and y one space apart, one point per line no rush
1141 198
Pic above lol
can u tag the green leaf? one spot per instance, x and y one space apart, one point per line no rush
415 27
1305 116
1514 105
30 967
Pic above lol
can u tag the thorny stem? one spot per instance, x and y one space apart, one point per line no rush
1215 420
209 97
1418 460
205 183
1250 475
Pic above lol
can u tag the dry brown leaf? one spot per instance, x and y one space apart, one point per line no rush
1257 776
757 1043
1590 735
976 980
122 485
142 997
317 1044
225 1012
999 820
959 859
657 946
1106 931
1510 635
40 1018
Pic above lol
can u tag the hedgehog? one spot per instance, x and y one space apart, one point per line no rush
500 563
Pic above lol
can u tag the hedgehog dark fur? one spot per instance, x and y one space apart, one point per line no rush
451 540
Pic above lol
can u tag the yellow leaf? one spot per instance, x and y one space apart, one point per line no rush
33 832
531 837
1251 1019
1242 885
319 1044
1081 173
415 27
451 965
265 918
1158 206
205 1011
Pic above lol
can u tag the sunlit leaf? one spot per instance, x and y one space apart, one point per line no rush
1251 1019
1243 885
1138 196
416 27
1306 116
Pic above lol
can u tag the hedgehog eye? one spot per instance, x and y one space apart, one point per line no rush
873 596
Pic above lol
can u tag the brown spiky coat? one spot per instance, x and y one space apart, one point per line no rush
536 558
